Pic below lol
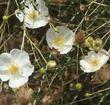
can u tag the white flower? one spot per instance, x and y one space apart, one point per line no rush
61 40
94 61
34 15
15 67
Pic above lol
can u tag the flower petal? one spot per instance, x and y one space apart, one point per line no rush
85 66
50 35
17 81
103 56
21 57
4 76
42 8
5 61
27 70
20 15
65 49
68 35
37 23
27 3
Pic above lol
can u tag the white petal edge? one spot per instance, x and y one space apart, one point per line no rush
103 54
37 23
86 67
21 57
65 49
5 76
27 70
20 15
5 59
17 81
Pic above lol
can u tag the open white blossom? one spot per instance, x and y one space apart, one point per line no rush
94 61
34 14
61 38
15 67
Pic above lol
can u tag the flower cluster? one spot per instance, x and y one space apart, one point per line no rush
16 67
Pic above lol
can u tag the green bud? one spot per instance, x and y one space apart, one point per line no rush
51 64
42 70
78 86
5 18
89 42
97 44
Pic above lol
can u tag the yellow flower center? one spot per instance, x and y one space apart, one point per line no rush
13 69
94 62
33 15
59 40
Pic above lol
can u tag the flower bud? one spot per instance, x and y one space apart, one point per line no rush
80 37
82 7
86 18
97 44
78 86
51 63
5 18
89 42
42 70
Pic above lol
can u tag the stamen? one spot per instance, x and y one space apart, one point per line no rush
59 41
13 69
33 15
